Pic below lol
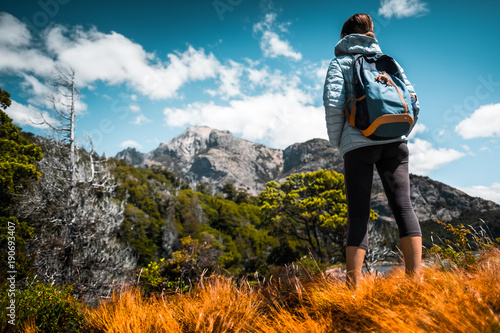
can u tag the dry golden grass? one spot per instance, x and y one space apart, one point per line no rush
445 301
130 312
29 327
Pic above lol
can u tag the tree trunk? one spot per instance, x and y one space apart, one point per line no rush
72 128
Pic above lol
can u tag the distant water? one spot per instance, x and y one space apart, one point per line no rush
380 269
384 268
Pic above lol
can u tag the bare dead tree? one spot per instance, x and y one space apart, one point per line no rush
73 206
63 99
378 250
75 242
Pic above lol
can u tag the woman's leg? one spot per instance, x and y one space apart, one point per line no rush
354 263
412 252
358 176
393 171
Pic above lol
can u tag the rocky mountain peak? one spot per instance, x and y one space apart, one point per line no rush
191 141
203 154
131 156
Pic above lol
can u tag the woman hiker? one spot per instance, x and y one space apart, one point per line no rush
361 154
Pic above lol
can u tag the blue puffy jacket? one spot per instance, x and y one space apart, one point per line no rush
339 86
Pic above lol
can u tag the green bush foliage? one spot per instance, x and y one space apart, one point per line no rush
47 307
247 235
237 229
18 157
149 194
184 268
13 235
459 248
309 208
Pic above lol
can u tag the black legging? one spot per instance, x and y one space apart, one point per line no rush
391 161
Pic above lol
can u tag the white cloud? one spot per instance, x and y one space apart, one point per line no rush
35 88
315 74
272 108
491 192
402 8
15 54
131 144
96 56
278 118
256 81
140 120
134 108
12 31
417 129
41 94
229 81
276 81
273 46
424 158
115 59
229 78
29 115
25 60
318 70
484 122
192 65
257 76
271 43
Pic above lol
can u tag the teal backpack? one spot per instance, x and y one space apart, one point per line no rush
382 107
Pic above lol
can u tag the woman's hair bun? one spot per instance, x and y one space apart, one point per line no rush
358 24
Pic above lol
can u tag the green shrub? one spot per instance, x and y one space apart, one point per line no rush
13 235
459 250
50 308
184 268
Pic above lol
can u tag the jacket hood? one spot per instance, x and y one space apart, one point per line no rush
357 44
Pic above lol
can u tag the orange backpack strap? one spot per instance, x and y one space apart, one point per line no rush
351 115
348 113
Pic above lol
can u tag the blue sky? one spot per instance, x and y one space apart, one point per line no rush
147 70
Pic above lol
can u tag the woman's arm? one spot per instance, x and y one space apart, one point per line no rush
334 100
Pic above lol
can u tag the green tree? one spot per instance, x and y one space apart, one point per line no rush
236 228
310 208
148 216
203 188
184 268
17 157
229 191
17 167
237 195
242 196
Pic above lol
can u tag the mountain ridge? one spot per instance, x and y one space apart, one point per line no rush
202 154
